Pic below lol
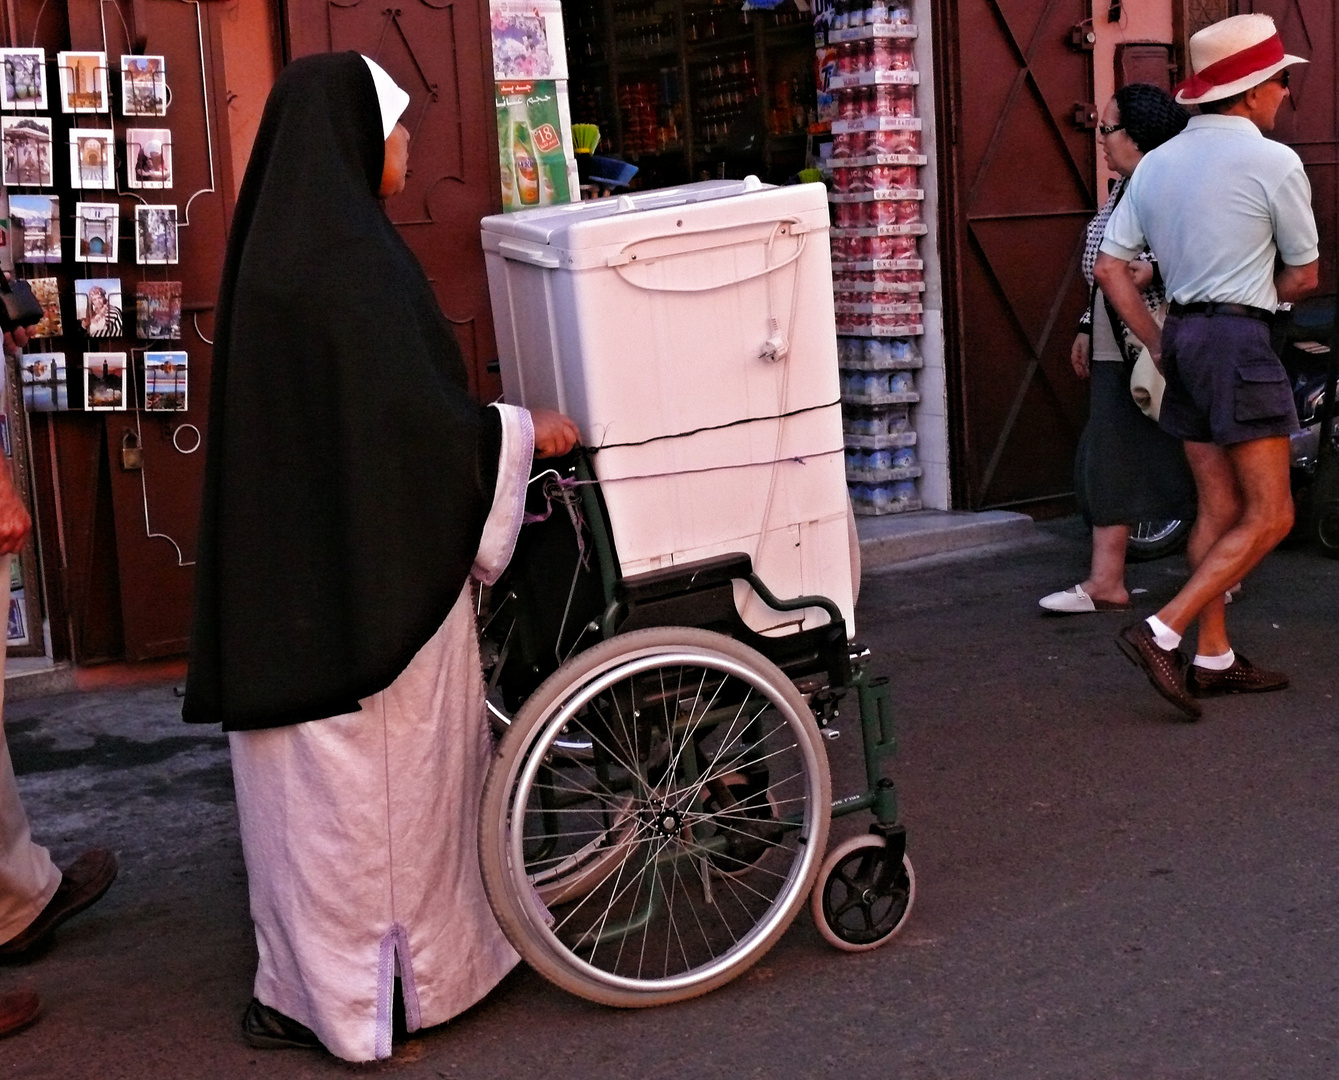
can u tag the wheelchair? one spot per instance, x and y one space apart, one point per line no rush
658 805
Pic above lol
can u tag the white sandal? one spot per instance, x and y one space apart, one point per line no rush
1077 602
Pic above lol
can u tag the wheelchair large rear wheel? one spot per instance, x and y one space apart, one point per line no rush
688 840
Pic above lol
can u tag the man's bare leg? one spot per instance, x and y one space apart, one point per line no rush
1245 493
1220 507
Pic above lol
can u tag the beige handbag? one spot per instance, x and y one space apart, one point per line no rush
1146 381
1147 385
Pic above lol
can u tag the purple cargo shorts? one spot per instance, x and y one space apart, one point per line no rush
1225 385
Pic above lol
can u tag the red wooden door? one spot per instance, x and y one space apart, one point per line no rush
1309 122
440 51
1017 178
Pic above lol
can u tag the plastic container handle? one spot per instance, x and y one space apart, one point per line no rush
622 262
535 256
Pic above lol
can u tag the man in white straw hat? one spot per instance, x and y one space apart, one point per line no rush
1219 204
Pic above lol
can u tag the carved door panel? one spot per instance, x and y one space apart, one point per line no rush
1309 122
1018 192
441 53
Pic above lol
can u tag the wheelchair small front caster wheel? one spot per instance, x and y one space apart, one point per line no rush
862 898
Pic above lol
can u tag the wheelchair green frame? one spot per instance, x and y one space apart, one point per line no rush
824 648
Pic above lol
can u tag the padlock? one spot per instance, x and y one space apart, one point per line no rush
132 454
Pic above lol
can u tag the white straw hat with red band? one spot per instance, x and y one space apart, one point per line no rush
1231 56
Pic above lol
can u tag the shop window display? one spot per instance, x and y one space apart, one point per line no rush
693 90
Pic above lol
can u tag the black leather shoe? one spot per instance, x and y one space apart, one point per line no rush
82 884
268 1029
1165 668
1242 677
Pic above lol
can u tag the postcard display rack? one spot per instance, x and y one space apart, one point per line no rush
868 81
54 174
66 162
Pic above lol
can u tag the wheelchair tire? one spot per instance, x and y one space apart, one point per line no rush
730 801
860 902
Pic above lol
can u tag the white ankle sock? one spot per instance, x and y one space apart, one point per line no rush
1165 636
1216 663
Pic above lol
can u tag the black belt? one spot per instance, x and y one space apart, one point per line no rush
1210 307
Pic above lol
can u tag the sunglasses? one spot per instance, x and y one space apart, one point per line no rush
1281 79
1110 129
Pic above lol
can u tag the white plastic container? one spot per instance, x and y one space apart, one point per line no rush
689 332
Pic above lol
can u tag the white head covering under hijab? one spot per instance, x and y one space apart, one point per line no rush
390 97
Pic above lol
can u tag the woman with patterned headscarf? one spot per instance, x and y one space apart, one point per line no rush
1126 469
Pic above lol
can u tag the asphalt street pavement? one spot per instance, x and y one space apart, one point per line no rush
1104 891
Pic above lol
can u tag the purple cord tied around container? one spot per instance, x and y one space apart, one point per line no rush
565 492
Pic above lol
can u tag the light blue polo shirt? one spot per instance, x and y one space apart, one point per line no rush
1214 204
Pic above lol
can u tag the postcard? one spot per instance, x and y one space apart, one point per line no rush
155 234
24 85
92 158
158 310
104 381
15 574
47 291
95 228
27 148
83 82
35 220
97 306
17 631
42 376
165 381
149 157
528 39
143 86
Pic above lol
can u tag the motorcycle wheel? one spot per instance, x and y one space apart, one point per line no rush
1156 539
1325 506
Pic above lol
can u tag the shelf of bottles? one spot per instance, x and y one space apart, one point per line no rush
868 81
689 88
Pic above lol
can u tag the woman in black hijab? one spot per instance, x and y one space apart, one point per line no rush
352 488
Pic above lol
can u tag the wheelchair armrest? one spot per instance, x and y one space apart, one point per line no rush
687 577
710 573
701 594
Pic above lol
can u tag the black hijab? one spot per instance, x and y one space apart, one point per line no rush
349 471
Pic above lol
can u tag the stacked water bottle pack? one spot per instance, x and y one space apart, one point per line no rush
878 389
878 274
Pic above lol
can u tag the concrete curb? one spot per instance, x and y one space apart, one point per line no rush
27 678
898 538
21 685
